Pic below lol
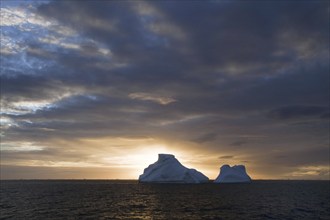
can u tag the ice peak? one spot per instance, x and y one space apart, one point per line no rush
162 157
237 167
234 174
169 170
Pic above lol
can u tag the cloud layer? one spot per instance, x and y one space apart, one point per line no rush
84 84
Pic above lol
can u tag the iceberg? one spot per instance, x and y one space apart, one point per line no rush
167 169
235 174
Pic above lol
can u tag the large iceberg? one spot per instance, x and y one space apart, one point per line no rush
235 174
167 169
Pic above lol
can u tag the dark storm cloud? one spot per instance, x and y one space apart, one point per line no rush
29 87
233 71
115 23
263 34
289 112
317 156
241 35
140 74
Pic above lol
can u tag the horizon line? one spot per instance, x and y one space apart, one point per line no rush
115 179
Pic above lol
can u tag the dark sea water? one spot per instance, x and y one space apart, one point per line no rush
88 199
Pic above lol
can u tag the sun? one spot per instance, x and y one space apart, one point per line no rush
146 155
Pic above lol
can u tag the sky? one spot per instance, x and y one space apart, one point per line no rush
96 89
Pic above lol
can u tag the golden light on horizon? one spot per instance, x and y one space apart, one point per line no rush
126 157
138 158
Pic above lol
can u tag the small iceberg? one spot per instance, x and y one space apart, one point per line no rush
235 174
167 169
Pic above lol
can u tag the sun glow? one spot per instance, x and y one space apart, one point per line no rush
139 158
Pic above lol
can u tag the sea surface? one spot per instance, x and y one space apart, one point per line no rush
105 199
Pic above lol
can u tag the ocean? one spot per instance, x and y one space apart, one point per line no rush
115 199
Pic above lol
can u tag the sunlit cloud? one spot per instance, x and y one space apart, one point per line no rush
157 23
185 119
31 106
23 29
163 100
6 122
24 107
25 19
19 16
20 146
310 172
56 41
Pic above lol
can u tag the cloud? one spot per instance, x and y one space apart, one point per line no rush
205 138
241 37
290 112
152 97
215 78
238 143
226 157
36 172
311 172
